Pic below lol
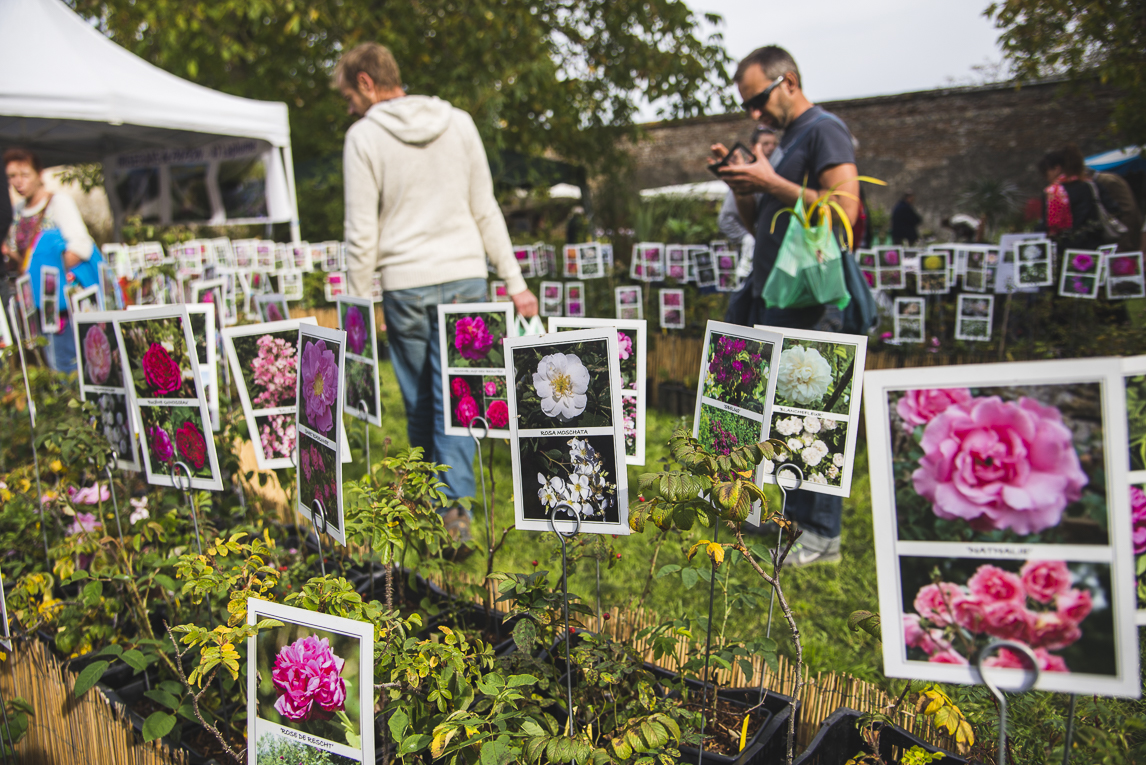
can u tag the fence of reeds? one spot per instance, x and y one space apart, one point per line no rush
65 729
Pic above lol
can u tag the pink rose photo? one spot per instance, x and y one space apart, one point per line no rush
158 357
308 680
99 354
1010 464
954 607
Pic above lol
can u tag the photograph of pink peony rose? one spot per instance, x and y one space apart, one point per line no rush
308 680
158 358
99 354
952 607
1000 464
1138 532
474 340
175 434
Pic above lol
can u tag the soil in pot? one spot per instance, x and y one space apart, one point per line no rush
724 722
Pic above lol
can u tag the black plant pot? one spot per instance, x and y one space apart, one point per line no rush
770 741
838 740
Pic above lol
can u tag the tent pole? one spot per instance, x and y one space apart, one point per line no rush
288 165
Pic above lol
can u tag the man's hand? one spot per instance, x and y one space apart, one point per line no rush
526 303
71 260
749 178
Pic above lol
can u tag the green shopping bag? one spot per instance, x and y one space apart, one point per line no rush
809 269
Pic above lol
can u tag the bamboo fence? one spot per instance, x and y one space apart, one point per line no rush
69 730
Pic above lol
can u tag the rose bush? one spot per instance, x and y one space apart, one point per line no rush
1038 606
160 371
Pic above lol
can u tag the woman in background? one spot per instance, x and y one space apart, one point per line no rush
47 229
1070 206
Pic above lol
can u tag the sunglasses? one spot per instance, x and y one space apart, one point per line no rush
757 102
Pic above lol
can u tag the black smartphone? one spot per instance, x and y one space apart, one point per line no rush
738 155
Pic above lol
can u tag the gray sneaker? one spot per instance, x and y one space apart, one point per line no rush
813 548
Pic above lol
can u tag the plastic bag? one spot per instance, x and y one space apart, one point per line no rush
530 326
808 270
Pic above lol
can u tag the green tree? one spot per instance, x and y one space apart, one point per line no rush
1081 39
560 78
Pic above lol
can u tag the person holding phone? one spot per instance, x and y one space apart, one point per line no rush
420 210
818 150
737 218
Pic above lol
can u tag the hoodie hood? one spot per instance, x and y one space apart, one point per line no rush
417 120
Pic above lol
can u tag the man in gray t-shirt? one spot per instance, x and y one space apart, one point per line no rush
818 153
817 150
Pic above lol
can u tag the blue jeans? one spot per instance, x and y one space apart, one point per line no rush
412 329
62 347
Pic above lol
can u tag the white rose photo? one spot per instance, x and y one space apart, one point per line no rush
563 385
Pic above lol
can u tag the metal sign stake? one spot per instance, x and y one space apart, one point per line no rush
1028 682
318 518
175 480
565 592
19 345
708 647
799 476
113 458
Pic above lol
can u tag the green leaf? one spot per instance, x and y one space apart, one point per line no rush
672 568
92 592
398 724
157 725
688 577
135 660
89 677
111 650
164 698
414 743
519 680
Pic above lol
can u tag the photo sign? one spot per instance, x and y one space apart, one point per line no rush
817 404
735 390
321 356
99 361
310 687
632 345
474 376
998 501
168 396
363 393
566 438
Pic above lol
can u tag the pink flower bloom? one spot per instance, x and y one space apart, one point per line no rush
458 388
1000 465
1074 605
319 384
932 602
1048 662
160 441
466 411
1123 266
919 407
307 676
870 278
1007 620
89 496
969 613
1082 262
993 584
355 330
275 372
97 354
891 258
1045 579
472 338
947 656
84 522
273 312
160 371
1049 630
491 388
497 414
915 636
887 335
1138 515
1005 658
624 345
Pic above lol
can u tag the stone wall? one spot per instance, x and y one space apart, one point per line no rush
935 142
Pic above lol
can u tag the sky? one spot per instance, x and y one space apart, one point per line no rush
855 48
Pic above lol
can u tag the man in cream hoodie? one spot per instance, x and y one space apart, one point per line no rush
420 210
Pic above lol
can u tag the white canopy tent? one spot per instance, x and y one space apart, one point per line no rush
72 95
710 190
